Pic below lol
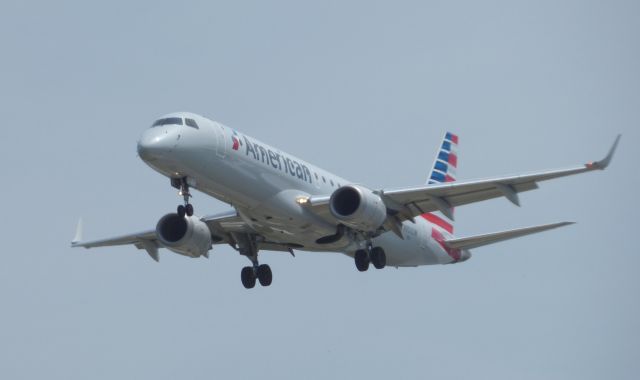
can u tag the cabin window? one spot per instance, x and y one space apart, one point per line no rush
168 121
191 123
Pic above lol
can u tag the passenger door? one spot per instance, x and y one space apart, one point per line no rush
221 136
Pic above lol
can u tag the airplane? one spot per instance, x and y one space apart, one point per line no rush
282 203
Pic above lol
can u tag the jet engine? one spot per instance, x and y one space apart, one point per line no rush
187 236
358 207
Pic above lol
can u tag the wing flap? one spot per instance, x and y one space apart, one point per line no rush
486 239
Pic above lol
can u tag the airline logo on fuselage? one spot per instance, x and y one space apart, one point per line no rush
236 141
276 160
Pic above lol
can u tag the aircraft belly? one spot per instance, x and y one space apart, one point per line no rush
281 220
413 250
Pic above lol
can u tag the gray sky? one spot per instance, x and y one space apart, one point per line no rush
364 89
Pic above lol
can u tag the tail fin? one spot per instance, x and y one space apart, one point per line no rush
446 162
444 170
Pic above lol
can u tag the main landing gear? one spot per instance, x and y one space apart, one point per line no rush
187 208
373 255
261 272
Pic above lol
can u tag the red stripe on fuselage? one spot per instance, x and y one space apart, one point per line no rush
438 221
455 254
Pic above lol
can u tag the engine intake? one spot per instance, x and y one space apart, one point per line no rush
358 208
187 236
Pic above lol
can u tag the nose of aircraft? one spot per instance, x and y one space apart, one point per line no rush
157 143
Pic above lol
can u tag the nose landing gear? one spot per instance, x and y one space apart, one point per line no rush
187 208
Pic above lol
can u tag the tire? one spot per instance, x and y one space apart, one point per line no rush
189 209
248 277
362 260
264 275
181 211
378 257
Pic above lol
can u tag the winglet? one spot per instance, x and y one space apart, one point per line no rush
602 164
78 237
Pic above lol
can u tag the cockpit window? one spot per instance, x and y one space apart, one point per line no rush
168 121
191 123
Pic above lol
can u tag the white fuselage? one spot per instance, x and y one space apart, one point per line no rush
263 183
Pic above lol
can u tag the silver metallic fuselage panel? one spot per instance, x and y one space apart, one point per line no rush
263 183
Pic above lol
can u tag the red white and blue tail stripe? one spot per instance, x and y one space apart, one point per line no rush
446 163
444 170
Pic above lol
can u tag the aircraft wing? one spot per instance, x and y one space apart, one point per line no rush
404 204
118 240
221 226
486 239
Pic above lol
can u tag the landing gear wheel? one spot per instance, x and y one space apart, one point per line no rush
378 257
362 260
187 208
248 277
264 275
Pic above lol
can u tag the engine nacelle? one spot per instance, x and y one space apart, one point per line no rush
187 236
358 208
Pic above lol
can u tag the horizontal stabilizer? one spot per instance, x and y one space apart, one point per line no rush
486 239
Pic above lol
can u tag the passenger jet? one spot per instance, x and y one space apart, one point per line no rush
282 203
